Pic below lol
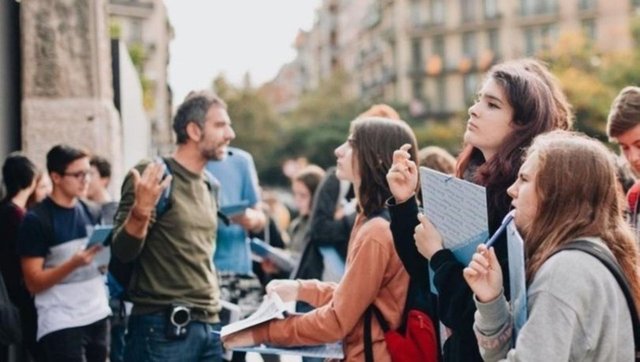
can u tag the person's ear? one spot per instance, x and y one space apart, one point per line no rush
194 131
55 177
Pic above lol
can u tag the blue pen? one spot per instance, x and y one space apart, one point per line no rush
500 230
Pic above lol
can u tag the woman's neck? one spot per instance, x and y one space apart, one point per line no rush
488 154
20 199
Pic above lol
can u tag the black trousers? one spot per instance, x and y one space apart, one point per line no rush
79 344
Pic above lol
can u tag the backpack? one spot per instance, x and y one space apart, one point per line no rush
605 257
10 323
122 272
416 339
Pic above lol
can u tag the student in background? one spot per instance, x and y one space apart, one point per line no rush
623 127
43 189
566 190
303 185
19 176
437 158
100 178
513 106
374 273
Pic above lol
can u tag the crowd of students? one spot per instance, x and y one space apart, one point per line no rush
560 187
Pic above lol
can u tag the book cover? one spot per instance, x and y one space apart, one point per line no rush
281 258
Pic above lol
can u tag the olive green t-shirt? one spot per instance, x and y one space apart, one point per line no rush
174 261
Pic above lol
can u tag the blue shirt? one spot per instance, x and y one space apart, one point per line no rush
238 182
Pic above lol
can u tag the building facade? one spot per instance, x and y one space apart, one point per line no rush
431 54
143 25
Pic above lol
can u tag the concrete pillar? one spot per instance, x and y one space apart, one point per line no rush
67 81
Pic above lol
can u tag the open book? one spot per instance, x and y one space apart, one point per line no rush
273 307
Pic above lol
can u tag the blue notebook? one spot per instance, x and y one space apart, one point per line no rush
99 235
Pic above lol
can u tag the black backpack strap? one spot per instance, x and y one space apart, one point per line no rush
610 263
368 336
368 343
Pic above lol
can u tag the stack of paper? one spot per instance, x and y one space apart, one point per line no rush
458 209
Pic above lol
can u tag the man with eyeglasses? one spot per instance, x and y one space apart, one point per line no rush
58 268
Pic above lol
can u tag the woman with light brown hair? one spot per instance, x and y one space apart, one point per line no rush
565 191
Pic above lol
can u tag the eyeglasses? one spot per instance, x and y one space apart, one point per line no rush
79 175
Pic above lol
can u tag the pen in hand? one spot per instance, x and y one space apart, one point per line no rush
500 230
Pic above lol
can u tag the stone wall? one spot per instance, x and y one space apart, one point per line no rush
66 77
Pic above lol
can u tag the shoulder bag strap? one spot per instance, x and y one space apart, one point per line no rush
603 255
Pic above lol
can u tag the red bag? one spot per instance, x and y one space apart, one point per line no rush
418 341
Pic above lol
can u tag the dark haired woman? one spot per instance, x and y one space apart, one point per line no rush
19 176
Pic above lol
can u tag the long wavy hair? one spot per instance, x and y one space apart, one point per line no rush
534 113
374 140
577 197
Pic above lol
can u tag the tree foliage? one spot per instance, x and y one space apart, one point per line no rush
591 79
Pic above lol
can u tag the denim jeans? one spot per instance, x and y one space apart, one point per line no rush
86 343
146 341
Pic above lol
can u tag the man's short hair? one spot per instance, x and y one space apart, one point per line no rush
60 156
194 109
102 165
625 112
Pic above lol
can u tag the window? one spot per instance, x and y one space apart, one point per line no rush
490 9
416 13
538 7
469 45
437 11
536 38
136 32
417 89
416 54
441 96
468 10
527 7
470 87
587 4
438 46
529 42
494 41
589 28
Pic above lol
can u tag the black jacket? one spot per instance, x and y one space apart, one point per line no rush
324 229
454 305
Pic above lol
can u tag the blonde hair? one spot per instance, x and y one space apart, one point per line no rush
576 188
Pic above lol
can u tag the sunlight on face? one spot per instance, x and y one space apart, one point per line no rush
346 164
523 193
490 119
